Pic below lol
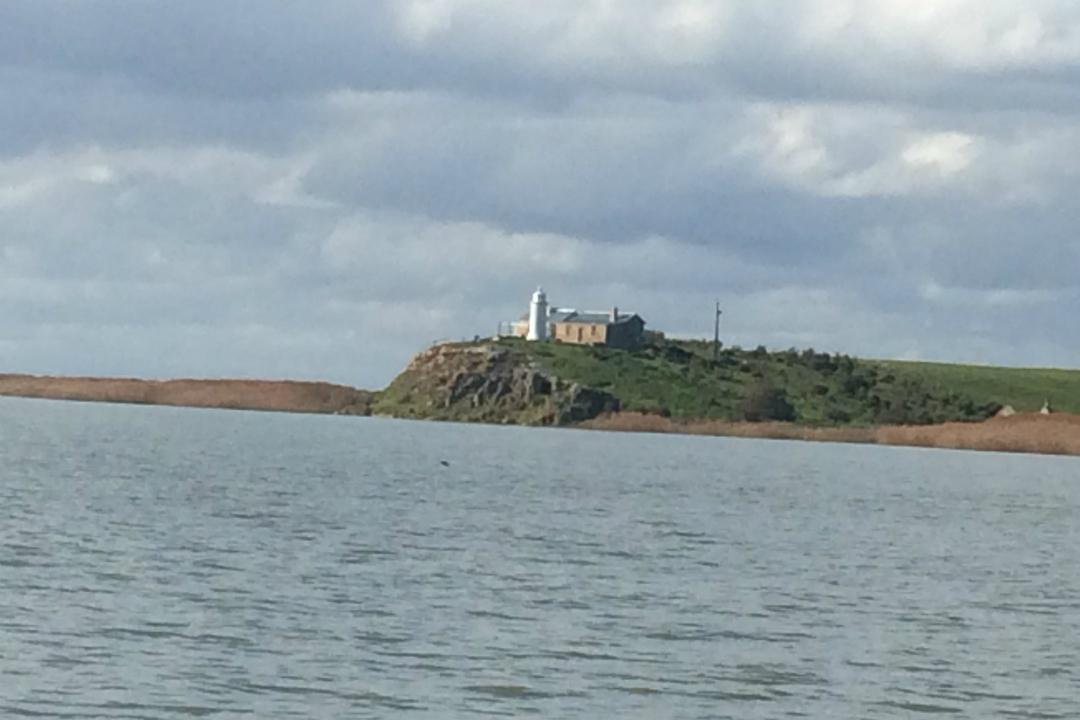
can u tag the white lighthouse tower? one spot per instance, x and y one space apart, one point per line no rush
538 316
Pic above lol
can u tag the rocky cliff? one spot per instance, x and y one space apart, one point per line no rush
487 383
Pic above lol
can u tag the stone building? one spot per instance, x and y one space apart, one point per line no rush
614 329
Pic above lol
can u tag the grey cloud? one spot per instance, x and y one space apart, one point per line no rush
615 174
268 187
245 50
62 111
268 49
232 48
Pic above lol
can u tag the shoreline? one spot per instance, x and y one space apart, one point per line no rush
1027 433
222 394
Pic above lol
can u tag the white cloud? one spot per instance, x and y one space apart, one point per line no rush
28 179
442 258
944 154
561 33
858 151
422 20
934 293
968 34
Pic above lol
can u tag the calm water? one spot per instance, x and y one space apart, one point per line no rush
165 563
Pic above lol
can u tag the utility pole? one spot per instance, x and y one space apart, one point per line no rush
716 336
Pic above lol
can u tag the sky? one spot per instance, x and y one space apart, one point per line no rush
320 189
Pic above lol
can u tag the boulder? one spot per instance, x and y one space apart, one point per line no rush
585 403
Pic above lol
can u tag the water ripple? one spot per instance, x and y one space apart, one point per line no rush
160 563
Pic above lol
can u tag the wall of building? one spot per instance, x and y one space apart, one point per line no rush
579 333
626 335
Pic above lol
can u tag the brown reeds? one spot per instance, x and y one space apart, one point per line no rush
648 422
278 395
1057 434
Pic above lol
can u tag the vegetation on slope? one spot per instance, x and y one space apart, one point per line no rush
509 380
1025 389
682 379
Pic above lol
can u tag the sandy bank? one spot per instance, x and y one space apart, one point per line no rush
1057 434
271 395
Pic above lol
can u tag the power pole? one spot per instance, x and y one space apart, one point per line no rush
716 336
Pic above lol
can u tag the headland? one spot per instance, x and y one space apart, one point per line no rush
664 386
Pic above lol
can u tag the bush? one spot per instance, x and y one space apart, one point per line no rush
837 415
762 403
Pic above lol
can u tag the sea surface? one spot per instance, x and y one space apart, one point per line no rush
177 563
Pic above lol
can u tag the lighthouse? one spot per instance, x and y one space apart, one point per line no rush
538 316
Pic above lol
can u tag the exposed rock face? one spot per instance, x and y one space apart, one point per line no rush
586 403
500 384
487 384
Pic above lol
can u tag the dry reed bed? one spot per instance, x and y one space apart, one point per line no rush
1057 434
1029 433
646 422
278 395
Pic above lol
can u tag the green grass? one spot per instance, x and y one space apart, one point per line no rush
1025 389
639 380
682 379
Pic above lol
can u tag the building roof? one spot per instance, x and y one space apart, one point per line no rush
564 315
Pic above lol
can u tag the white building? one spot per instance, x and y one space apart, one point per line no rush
611 328
538 316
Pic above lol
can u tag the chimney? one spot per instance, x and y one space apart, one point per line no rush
614 314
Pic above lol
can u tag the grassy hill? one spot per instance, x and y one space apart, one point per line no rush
1025 389
682 379
671 381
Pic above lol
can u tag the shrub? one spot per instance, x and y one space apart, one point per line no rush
837 415
762 403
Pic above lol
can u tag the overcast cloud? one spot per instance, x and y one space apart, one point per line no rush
317 190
